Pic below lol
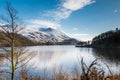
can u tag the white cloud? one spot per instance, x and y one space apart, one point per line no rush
58 14
74 5
62 14
66 8
42 23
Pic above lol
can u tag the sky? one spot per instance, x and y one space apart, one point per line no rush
80 19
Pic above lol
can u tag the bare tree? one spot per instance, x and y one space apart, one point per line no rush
16 56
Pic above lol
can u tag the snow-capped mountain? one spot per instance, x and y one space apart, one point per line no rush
45 35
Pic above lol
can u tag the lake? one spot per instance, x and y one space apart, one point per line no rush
67 57
48 57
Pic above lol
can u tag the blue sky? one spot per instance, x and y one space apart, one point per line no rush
81 19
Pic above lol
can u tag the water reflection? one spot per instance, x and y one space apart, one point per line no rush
108 54
54 55
67 56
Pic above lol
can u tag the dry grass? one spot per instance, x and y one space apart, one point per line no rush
91 72
24 76
61 74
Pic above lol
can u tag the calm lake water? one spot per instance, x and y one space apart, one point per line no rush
51 57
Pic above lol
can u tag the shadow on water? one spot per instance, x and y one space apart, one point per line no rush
107 54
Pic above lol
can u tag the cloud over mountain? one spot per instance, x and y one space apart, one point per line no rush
44 23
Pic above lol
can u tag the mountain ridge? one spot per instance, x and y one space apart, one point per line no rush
48 35
44 36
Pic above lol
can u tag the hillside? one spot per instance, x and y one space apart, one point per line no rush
109 39
42 36
49 36
19 40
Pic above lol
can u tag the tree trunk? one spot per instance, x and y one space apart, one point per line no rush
12 58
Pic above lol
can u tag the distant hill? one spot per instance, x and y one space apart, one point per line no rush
49 36
70 41
19 41
43 36
109 39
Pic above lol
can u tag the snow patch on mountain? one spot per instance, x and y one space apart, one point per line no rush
45 35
